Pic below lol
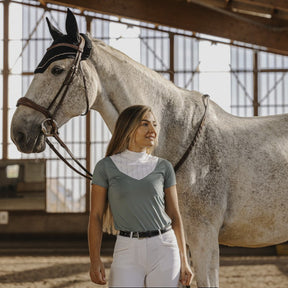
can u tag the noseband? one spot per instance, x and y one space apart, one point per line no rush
49 126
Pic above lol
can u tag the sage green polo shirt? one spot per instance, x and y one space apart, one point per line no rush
136 205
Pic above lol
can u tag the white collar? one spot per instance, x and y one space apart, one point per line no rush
134 156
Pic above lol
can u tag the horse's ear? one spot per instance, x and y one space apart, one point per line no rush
72 27
55 33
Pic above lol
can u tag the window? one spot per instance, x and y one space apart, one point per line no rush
12 171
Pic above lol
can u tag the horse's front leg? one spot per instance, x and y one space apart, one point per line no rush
204 248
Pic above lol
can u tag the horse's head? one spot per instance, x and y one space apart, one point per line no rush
63 87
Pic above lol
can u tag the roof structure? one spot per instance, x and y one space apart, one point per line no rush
259 22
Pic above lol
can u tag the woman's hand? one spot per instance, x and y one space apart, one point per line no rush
186 275
97 272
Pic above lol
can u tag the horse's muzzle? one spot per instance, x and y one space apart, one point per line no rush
27 141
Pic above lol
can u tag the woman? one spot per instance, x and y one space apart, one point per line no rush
140 190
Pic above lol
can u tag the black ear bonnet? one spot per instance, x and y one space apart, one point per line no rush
63 52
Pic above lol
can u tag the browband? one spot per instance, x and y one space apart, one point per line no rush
63 50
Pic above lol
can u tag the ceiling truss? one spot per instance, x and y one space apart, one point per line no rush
259 22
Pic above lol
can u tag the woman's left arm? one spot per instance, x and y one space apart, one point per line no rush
172 209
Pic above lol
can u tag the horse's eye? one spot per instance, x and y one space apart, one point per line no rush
56 70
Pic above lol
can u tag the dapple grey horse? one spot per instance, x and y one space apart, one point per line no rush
233 185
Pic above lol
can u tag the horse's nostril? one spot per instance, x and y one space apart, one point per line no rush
20 137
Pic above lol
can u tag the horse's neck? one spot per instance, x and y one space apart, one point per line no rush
125 82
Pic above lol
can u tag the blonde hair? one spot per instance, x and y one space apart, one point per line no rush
125 128
127 123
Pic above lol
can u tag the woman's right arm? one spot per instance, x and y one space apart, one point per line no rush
98 205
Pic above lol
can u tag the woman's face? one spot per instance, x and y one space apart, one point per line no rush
145 134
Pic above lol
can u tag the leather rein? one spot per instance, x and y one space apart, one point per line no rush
196 136
49 126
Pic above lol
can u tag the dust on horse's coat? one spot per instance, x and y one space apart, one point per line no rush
233 186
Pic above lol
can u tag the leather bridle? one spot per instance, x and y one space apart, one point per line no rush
196 136
49 126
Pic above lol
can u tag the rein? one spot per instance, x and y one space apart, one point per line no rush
49 126
197 134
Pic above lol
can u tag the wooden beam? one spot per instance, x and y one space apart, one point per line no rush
189 16
172 58
250 7
42 2
275 4
272 4
88 139
276 14
255 84
45 223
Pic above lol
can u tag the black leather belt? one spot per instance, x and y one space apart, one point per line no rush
144 234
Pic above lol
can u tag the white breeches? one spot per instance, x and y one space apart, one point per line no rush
146 262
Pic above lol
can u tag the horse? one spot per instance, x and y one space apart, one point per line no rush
232 186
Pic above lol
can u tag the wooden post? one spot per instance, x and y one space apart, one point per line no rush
5 78
255 84
88 138
171 69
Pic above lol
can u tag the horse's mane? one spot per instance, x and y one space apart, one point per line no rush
142 69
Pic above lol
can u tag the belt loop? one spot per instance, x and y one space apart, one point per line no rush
160 234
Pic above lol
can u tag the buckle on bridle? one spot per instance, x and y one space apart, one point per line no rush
49 127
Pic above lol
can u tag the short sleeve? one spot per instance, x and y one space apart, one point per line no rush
170 177
99 175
